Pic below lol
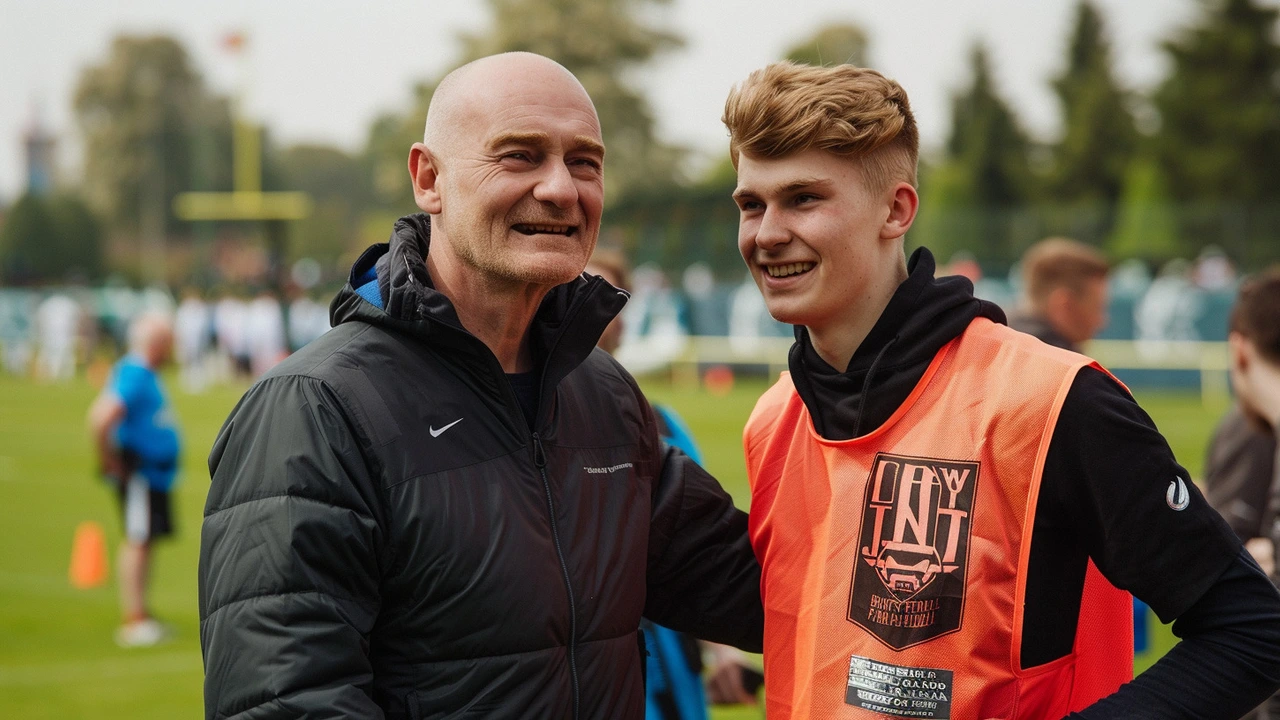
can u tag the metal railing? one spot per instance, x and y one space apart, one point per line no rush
1209 359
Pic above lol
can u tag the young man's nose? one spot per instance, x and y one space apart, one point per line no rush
772 231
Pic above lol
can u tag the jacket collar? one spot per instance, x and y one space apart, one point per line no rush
924 314
564 331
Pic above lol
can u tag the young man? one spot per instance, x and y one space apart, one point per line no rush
1064 287
944 508
137 445
451 503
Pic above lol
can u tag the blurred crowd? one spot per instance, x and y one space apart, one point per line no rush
218 337
240 334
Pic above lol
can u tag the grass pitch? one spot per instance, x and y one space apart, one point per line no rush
57 656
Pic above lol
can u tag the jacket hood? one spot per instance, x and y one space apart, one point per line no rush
924 314
564 331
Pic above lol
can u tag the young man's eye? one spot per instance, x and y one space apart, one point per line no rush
749 205
805 198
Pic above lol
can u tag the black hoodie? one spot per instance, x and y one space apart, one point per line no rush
1102 497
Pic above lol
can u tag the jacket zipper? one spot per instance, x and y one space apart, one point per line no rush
540 460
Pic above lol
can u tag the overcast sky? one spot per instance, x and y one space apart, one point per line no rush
321 70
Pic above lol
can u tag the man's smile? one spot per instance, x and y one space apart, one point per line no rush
535 229
781 271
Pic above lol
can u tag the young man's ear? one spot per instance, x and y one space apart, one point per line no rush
424 174
903 204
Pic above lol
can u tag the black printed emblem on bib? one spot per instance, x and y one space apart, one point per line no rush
908 581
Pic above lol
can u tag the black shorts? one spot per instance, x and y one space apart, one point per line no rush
145 512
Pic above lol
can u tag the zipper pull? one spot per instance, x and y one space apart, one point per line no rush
539 458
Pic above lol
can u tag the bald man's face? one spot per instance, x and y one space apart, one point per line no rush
518 175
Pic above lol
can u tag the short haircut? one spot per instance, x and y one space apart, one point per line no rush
1060 262
786 108
613 262
1256 314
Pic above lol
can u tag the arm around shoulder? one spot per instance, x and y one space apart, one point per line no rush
289 558
703 575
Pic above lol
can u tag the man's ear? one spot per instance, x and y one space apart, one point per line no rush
903 204
1239 350
424 172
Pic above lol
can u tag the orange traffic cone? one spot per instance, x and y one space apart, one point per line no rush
88 556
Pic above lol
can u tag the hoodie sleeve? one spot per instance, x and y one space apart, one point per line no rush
703 577
288 578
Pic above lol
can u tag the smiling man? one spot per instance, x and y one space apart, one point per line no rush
452 504
950 515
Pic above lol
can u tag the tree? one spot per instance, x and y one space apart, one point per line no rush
834 44
137 111
1145 227
984 177
1099 136
49 239
1219 137
339 188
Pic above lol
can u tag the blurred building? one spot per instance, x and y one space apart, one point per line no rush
39 146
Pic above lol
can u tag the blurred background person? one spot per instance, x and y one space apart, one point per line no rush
58 320
137 445
1254 346
1064 293
193 336
673 675
1238 473
264 332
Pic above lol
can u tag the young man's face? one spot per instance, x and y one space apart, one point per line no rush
814 237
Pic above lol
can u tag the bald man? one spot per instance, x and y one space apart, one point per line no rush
137 446
452 504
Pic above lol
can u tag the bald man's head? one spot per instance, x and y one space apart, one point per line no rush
511 171
475 88
151 337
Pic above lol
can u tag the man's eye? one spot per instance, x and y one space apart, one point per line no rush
802 199
585 162
521 156
749 205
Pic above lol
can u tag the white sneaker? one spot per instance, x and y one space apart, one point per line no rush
142 633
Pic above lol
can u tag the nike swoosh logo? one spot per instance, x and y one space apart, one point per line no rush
437 432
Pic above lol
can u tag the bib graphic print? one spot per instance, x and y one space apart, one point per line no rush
909 579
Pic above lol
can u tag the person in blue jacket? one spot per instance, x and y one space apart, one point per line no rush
137 446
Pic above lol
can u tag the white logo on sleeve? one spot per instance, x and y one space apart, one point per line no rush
438 432
1177 495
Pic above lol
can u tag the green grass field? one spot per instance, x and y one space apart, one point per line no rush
57 656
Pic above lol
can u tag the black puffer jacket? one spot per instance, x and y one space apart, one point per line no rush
386 536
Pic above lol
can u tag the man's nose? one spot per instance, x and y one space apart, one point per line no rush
556 186
772 231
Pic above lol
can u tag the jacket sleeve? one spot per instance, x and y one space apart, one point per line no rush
289 571
703 577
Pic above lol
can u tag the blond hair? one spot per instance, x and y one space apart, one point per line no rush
1060 262
787 108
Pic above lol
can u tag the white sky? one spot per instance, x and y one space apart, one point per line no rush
321 70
